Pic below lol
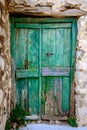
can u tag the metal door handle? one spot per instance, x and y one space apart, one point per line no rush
49 54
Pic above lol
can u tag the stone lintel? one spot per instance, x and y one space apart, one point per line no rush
45 11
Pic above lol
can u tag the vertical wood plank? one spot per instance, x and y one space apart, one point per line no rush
73 55
21 92
33 99
33 53
59 48
51 47
21 57
40 62
58 96
66 94
67 48
44 48
21 48
66 63
33 63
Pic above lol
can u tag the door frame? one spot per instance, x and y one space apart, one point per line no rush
73 21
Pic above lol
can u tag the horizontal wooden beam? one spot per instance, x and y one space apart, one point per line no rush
26 73
59 25
45 72
47 26
26 25
56 72
54 118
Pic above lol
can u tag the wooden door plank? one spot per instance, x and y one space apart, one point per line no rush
55 26
40 62
56 72
21 55
52 96
44 20
21 93
66 94
66 63
27 25
49 103
27 73
33 98
44 48
73 60
33 53
58 96
51 48
67 48
43 95
33 70
59 47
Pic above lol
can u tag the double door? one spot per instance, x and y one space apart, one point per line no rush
43 56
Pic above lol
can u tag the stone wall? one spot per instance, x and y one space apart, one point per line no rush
81 72
5 64
65 8
54 8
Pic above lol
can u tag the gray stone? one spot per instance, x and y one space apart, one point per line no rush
32 117
51 122
1 97
57 122
2 63
39 121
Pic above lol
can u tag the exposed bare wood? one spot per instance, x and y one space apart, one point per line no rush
48 117
56 72
72 101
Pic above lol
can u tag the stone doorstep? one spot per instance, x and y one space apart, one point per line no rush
32 117
35 119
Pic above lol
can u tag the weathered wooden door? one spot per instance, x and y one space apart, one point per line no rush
44 56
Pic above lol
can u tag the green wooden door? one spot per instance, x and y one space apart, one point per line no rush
44 56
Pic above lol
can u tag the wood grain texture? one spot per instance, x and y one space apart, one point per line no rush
44 58
56 72
72 103
56 52
33 98
33 64
26 73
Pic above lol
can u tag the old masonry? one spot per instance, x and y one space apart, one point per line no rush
59 11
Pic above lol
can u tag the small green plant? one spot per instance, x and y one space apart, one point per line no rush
72 121
17 117
7 127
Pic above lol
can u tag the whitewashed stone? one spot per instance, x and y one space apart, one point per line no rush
57 122
81 72
81 55
1 96
2 63
32 117
39 121
51 122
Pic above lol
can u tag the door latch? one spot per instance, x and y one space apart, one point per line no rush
49 54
